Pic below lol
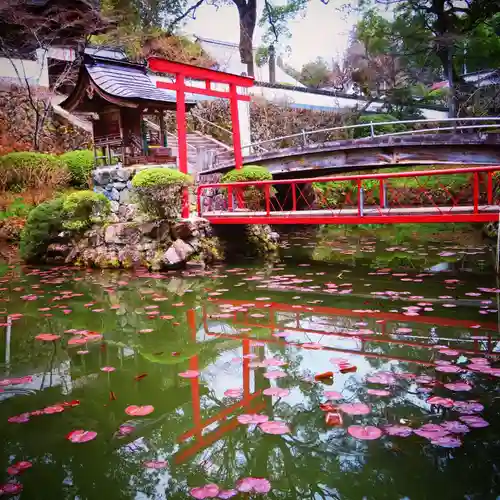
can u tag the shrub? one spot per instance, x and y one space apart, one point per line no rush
84 208
379 130
20 171
43 224
253 197
80 164
159 191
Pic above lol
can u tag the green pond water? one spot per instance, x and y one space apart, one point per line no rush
196 350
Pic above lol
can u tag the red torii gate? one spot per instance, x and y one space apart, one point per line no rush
181 72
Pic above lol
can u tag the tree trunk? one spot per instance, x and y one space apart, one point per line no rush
248 16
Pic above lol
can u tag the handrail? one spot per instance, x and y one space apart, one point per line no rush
187 143
417 173
225 130
373 125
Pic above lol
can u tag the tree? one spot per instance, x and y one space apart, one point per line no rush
316 73
27 32
433 34
274 18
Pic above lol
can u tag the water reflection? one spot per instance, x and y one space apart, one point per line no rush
154 329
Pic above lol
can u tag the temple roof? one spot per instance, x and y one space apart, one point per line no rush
120 83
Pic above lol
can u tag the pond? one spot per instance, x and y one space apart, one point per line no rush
320 377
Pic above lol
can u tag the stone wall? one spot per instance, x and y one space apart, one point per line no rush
17 125
115 182
157 245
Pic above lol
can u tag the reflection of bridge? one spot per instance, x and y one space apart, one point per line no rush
281 316
449 195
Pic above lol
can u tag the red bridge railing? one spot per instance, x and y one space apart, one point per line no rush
446 195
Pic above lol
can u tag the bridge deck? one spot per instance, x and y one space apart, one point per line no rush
484 213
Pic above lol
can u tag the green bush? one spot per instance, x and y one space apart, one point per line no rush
27 170
84 208
74 212
80 165
247 174
252 197
44 223
378 130
159 191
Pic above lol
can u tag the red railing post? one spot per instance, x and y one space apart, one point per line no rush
381 194
198 200
489 188
476 192
230 198
294 198
267 191
360 198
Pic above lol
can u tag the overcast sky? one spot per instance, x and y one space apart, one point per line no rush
322 32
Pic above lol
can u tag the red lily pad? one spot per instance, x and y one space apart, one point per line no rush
274 427
49 410
155 464
332 395
459 387
398 430
447 442
252 419
47 337
366 433
444 402
19 419
207 491
108 369
355 408
81 436
11 488
276 391
233 393
474 421
189 374
378 392
253 485
274 374
139 411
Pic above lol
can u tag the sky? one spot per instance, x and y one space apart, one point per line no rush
322 32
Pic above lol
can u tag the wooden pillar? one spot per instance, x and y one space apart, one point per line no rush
182 138
163 131
235 122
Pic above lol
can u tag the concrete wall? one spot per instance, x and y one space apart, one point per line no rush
17 71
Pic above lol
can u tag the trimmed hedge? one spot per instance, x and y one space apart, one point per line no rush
28 170
43 225
80 165
75 212
252 197
247 174
159 192
84 208
158 177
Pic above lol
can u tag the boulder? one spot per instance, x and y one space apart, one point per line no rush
179 252
119 185
102 176
115 194
123 233
121 174
124 197
115 206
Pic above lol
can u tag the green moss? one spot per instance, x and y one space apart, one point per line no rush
84 208
80 164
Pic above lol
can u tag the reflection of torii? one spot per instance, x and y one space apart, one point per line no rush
251 402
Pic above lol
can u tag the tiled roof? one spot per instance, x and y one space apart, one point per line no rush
127 82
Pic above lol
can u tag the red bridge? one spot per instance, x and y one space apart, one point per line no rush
447 195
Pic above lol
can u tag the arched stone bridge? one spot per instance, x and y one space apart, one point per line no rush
377 152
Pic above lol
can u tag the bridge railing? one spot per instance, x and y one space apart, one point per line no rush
445 195
375 129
